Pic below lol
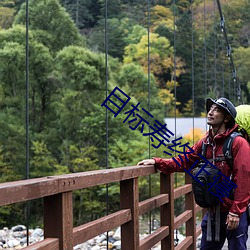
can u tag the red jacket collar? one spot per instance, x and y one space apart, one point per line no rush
221 136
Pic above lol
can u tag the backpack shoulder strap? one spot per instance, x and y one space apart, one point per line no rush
227 148
204 149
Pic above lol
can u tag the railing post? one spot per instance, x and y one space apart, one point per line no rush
58 219
167 210
129 198
191 223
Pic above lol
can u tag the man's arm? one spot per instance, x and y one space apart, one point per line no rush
180 164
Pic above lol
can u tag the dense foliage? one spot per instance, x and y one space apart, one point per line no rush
71 58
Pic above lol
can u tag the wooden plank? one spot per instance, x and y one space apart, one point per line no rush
129 196
182 218
198 231
154 238
58 219
198 208
90 230
46 244
191 223
182 190
24 190
98 177
167 210
185 244
152 203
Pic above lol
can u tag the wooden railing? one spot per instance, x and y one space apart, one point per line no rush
56 192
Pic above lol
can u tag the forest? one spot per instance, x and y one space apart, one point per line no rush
169 56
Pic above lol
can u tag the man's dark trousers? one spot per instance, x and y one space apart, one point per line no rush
237 238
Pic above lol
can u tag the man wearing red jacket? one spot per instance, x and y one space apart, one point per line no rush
221 115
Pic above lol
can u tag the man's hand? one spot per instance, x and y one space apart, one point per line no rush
232 222
146 162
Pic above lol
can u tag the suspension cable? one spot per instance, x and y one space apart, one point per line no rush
27 207
175 94
192 24
229 53
215 53
107 120
205 50
174 61
149 142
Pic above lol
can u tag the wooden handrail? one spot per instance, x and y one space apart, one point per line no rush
56 191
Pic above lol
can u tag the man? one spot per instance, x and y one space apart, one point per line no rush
221 115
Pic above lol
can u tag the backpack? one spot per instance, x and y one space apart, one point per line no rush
203 194
208 175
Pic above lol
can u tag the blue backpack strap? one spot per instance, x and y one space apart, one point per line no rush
227 148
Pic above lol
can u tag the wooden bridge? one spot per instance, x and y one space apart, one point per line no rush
56 192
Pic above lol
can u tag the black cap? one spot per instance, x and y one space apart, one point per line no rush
223 103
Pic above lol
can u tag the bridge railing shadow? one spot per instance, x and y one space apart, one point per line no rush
56 192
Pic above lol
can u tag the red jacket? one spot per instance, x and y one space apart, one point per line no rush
241 166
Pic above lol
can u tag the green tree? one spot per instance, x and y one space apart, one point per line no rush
84 13
53 25
6 17
242 64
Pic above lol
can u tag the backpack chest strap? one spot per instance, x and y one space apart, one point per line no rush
216 159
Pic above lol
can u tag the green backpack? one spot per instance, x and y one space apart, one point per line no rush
243 120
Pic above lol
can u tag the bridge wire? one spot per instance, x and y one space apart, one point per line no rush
175 94
222 68
229 55
174 73
215 53
107 121
27 204
149 151
205 49
192 24
205 54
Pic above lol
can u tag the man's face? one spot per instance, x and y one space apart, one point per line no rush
215 116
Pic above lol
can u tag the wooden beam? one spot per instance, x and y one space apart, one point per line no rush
98 177
167 210
198 208
191 223
58 219
185 244
129 197
182 190
182 218
155 237
152 203
90 230
24 190
198 231
46 244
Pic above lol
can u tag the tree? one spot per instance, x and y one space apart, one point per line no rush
161 16
6 17
118 31
13 60
242 64
132 78
53 25
84 13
